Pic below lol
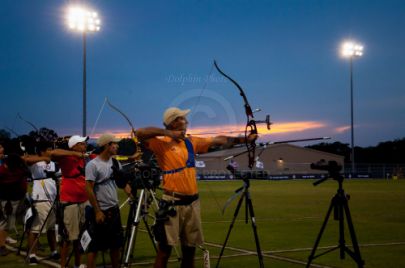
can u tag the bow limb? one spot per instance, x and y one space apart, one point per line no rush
121 113
251 127
138 153
28 122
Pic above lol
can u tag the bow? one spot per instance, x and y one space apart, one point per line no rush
28 122
138 153
250 127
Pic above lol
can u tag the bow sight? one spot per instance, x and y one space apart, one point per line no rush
266 121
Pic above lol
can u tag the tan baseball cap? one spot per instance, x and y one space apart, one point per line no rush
106 138
172 113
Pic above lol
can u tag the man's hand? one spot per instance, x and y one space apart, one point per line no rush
128 190
100 217
252 137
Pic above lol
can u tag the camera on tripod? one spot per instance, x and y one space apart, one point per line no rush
331 166
141 176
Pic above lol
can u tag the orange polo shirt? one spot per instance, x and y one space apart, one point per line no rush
171 155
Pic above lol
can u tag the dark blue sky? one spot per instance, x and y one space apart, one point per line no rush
150 55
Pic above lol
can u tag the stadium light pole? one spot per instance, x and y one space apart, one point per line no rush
84 21
351 50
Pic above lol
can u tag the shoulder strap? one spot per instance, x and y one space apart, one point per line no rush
115 167
190 161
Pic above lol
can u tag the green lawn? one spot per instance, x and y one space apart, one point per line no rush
289 215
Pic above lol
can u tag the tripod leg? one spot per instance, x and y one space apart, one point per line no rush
342 242
356 256
254 226
131 215
150 233
235 215
318 239
134 228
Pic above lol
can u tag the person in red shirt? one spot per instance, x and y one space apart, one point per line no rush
13 186
175 155
73 195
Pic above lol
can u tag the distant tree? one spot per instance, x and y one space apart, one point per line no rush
4 134
385 152
334 148
388 152
44 134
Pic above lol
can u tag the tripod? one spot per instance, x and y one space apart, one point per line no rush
138 211
245 195
339 205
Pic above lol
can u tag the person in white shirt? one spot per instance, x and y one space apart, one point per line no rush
43 195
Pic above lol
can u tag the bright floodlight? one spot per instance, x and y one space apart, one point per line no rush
83 20
351 49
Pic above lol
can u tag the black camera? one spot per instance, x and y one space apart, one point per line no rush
140 176
331 166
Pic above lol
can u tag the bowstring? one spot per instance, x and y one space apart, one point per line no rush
98 117
201 92
193 113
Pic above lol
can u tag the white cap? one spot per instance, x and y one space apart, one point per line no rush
106 138
75 139
172 113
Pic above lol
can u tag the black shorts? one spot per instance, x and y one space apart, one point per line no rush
109 234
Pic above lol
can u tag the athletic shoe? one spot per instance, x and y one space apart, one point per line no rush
55 256
33 260
10 240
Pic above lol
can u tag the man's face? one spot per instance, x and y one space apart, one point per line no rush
180 123
112 148
80 147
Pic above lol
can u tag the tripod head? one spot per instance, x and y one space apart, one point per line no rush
333 169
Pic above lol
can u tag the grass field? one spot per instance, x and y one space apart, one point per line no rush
289 215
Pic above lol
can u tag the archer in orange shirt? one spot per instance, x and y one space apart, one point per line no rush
175 155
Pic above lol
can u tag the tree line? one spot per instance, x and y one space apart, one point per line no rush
392 152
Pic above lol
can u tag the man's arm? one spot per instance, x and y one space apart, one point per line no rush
227 142
151 132
58 153
32 159
93 201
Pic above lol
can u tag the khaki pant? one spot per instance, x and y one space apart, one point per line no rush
43 209
73 219
185 225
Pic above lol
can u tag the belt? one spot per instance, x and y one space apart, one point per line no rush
39 179
183 199
40 201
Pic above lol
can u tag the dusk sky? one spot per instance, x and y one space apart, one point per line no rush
150 55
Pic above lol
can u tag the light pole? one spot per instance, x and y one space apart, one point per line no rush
83 20
351 50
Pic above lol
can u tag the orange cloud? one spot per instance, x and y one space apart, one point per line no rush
118 133
342 129
287 127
